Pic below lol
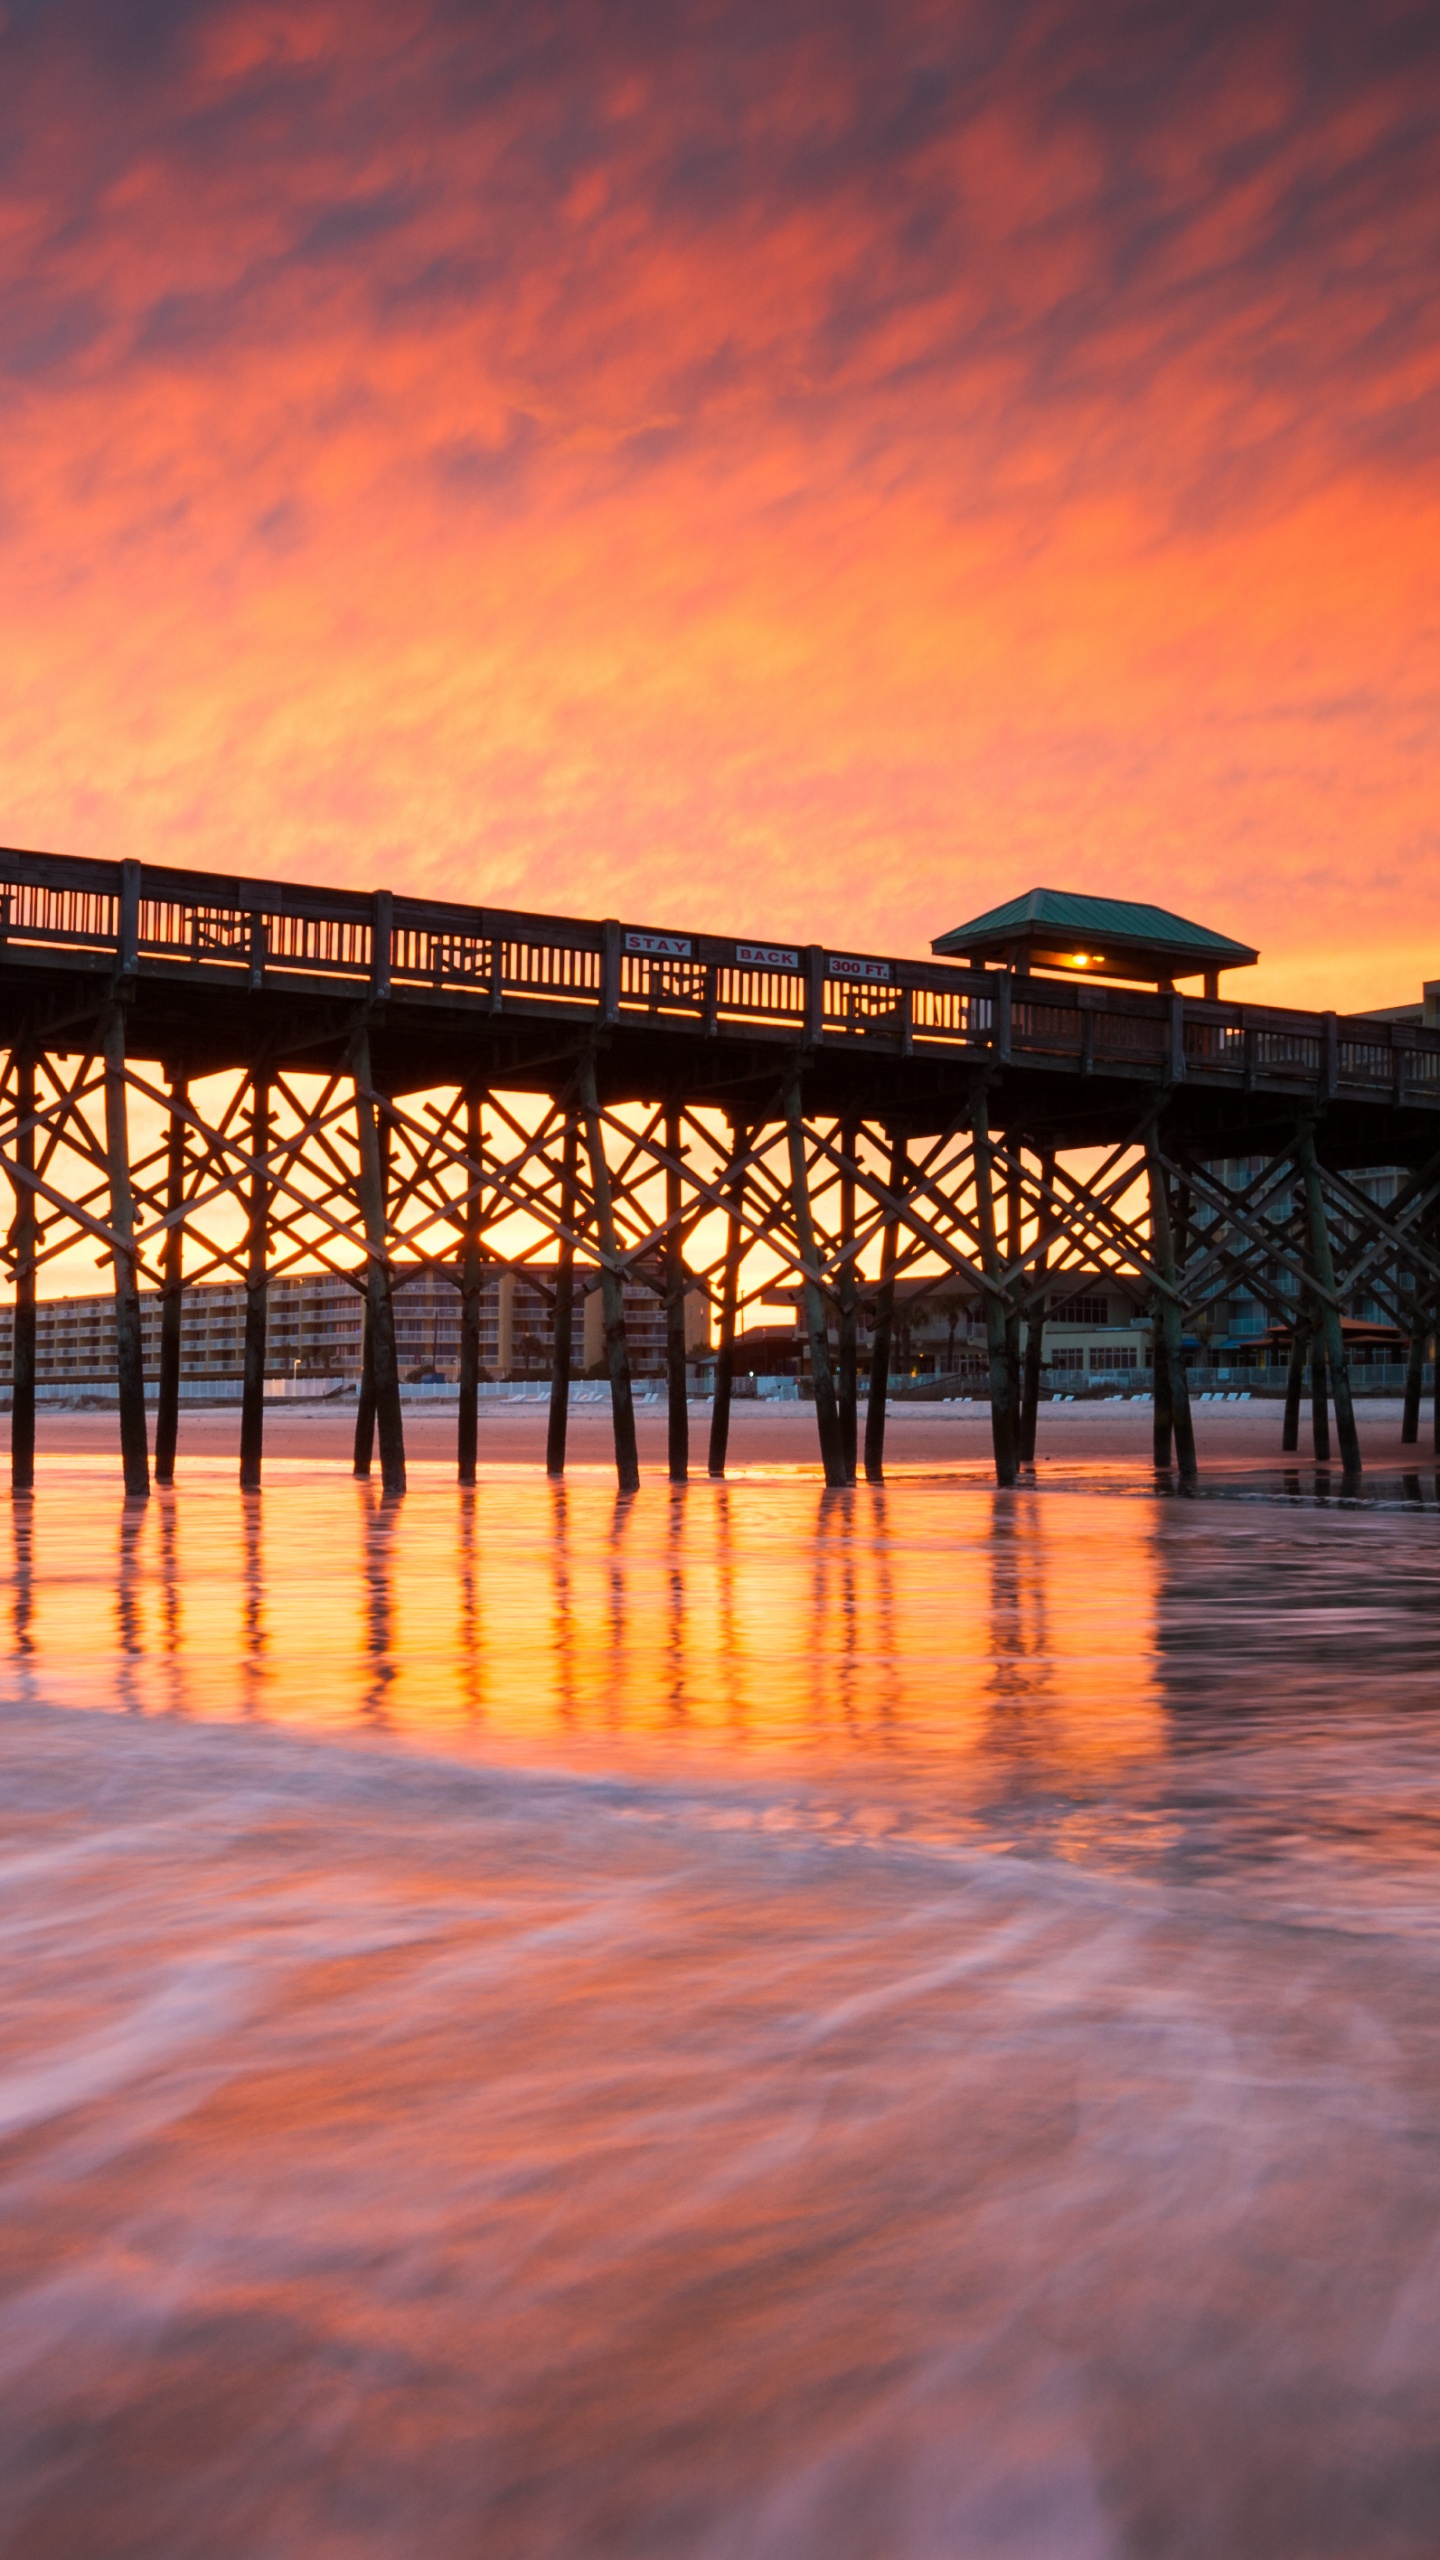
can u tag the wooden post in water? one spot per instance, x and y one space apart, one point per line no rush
1295 1378
23 1243
729 1303
380 1329
1014 1231
467 1419
1035 1333
1415 1371
884 1333
827 1410
677 1426
1172 1329
172 1285
1319 1402
1163 1441
564 1326
1335 1361
365 1394
612 1287
1004 1419
252 1391
848 1361
129 1354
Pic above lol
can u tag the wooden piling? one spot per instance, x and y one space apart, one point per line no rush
467 1419
1035 1331
380 1331
1319 1401
1295 1379
1004 1419
883 1336
612 1288
1335 1361
172 1285
558 1427
1163 1441
729 1304
677 1426
1172 1329
847 1365
129 1353
1414 1374
827 1410
23 1245
1014 1231
252 1389
364 1454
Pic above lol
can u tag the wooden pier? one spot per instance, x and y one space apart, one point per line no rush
691 1102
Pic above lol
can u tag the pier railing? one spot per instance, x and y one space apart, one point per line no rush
140 920
370 1126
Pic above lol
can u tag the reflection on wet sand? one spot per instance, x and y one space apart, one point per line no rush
919 1626
852 2026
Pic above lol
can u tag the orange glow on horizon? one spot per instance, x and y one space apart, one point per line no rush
758 474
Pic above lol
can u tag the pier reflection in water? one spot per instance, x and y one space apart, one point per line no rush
769 1615
752 2022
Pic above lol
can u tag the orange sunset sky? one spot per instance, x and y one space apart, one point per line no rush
807 469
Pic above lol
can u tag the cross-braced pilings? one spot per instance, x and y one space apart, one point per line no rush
209 1077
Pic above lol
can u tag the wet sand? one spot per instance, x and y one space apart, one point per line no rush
1232 1438
748 2024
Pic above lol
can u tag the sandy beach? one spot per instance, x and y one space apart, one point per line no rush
1231 1437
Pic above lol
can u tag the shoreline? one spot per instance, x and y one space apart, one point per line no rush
1232 1437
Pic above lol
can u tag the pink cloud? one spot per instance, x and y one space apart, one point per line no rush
835 465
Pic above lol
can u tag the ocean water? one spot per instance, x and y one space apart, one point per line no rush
749 2023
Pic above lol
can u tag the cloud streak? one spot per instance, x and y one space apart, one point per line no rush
830 462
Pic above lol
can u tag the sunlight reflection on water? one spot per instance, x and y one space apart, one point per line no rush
748 2022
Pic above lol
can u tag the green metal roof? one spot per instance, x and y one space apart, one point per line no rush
1116 920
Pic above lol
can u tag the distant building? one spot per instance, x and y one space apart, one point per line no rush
1427 1011
1097 1330
314 1329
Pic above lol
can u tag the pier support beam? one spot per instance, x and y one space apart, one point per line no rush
467 1419
612 1288
1324 1262
677 1427
257 1309
1319 1398
1004 1419
380 1306
729 1303
1035 1334
172 1285
827 1410
23 1242
1295 1380
883 1337
1014 1229
1171 1327
1162 1449
129 1355
848 1362
564 1329
365 1395
1415 1374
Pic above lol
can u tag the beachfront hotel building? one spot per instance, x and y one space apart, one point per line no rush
313 1334
1096 1338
